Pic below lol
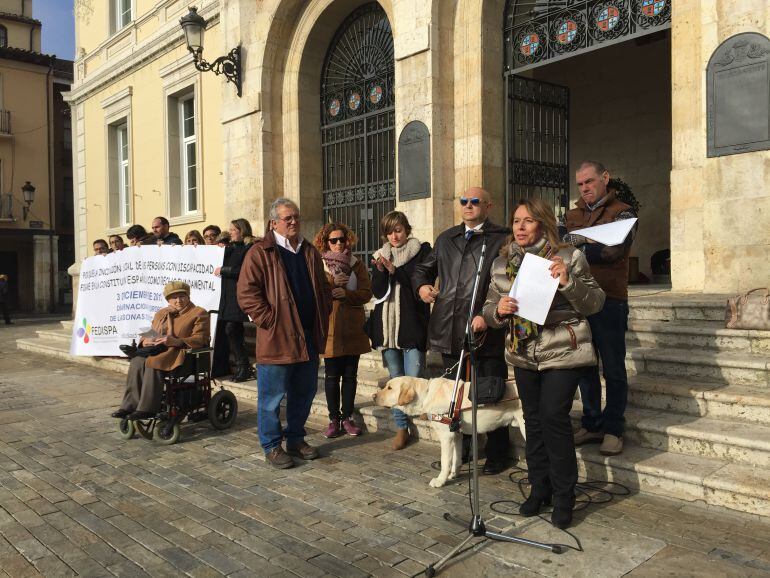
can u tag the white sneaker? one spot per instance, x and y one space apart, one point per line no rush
611 445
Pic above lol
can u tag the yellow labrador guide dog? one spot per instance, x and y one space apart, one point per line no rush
417 396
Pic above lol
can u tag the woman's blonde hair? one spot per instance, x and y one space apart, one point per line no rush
194 234
543 213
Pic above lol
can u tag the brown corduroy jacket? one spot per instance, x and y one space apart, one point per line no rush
612 276
346 323
191 325
265 295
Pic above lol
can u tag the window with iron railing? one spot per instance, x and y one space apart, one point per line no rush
5 121
6 206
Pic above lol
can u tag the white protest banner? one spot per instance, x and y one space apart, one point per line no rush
119 293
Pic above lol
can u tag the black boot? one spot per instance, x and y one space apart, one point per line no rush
531 506
244 373
561 517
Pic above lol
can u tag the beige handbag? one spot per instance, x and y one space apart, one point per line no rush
749 311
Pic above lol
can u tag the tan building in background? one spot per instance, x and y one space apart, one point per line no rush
147 135
621 82
35 152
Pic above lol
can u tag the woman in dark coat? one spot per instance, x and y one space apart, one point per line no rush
231 317
398 326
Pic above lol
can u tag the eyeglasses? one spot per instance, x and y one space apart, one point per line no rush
335 240
289 219
473 201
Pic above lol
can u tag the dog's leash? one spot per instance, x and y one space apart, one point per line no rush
444 418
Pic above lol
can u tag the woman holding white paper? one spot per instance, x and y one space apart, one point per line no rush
548 359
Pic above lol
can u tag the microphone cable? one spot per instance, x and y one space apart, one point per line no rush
588 492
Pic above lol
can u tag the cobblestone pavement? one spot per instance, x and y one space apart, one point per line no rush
76 499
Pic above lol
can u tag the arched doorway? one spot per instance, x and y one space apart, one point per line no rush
357 125
591 79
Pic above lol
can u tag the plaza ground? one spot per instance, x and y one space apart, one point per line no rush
76 499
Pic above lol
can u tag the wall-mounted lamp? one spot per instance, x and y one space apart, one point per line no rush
28 190
194 26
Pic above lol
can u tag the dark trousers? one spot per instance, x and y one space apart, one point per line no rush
608 328
229 340
546 399
144 387
345 368
498 442
6 314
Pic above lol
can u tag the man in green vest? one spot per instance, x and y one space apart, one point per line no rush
598 205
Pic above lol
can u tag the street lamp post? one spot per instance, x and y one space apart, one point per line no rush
194 26
28 190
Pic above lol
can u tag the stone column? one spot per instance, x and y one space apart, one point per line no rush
45 258
74 272
720 207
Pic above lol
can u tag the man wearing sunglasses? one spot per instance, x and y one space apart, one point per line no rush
454 261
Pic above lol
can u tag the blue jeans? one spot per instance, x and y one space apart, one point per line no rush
401 362
609 335
298 383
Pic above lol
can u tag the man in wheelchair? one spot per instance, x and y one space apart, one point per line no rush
179 327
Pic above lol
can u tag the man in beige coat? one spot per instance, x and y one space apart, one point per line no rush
179 326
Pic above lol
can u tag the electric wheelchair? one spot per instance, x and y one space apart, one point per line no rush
187 394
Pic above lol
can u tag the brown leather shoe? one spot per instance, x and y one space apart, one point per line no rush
279 458
401 439
303 451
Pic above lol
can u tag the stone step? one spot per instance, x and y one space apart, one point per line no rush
713 481
669 306
60 349
55 335
732 441
742 403
704 481
701 335
718 367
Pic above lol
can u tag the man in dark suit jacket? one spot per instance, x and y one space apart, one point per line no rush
454 261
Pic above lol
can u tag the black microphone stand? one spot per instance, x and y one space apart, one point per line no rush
476 526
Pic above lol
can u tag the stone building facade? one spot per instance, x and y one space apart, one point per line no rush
637 101
35 230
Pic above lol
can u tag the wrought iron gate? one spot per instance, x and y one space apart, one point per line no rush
537 126
357 132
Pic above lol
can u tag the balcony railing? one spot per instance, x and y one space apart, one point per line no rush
5 122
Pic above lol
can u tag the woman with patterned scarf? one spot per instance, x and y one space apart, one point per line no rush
398 326
548 360
346 340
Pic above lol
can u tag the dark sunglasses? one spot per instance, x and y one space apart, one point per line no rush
472 201
335 240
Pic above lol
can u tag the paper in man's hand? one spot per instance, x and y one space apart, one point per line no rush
534 288
609 234
148 333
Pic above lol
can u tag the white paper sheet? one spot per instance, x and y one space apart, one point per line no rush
609 234
534 288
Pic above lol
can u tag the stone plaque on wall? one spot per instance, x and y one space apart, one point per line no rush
738 92
414 162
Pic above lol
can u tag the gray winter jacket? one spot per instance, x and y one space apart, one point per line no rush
564 341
